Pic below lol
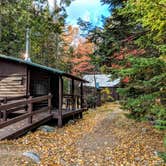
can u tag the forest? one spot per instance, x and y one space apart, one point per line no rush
131 45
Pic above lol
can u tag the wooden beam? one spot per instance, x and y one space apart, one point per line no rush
73 97
49 102
22 117
26 128
68 113
28 82
4 111
81 95
60 101
13 104
81 98
30 109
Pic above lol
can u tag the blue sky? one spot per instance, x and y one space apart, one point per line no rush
88 10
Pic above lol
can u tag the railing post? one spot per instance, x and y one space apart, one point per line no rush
60 102
0 114
30 107
27 97
78 102
73 97
81 105
49 103
5 111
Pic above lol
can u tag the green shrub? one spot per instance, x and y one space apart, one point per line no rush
91 101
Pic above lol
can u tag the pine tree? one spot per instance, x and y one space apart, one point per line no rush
132 46
16 16
144 92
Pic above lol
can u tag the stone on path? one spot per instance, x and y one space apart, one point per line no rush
46 128
33 156
70 122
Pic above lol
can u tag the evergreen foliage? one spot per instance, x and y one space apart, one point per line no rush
132 46
145 91
45 28
144 94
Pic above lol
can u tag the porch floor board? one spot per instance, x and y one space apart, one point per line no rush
66 113
17 129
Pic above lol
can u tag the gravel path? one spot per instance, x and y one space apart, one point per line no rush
104 137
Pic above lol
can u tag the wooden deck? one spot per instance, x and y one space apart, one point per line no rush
17 129
66 113
19 117
22 127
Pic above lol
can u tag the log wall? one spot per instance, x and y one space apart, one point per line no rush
13 78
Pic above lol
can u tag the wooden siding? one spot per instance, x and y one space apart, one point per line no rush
12 79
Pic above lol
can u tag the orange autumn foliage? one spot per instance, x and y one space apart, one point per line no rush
124 52
126 79
81 49
81 59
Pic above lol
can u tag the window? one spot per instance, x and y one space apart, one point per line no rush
40 87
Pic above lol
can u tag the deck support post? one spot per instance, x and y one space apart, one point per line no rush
73 97
30 107
60 102
49 103
0 114
81 99
5 111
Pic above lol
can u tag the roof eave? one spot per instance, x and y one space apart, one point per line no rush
42 67
74 77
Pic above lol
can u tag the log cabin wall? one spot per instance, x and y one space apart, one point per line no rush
13 78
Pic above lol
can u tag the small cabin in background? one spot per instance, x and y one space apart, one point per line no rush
20 79
102 86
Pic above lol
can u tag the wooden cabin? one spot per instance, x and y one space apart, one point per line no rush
102 87
39 86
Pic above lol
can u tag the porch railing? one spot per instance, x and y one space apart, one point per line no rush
71 102
4 100
6 109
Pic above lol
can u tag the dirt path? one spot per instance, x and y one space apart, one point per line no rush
105 137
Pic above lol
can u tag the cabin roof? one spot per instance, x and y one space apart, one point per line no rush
102 80
45 68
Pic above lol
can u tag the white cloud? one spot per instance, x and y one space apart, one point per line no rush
87 2
86 16
88 10
51 4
